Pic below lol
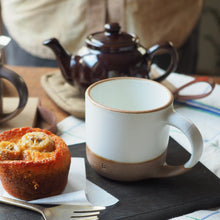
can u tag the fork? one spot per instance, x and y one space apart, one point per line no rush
60 212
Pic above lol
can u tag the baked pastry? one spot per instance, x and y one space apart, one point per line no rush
34 163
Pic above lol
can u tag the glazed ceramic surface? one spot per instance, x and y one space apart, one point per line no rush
127 123
109 53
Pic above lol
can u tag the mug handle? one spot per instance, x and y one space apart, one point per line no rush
21 88
192 133
168 47
204 79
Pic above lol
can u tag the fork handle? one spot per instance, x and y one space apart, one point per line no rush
22 204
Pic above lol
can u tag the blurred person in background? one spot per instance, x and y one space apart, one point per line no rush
30 22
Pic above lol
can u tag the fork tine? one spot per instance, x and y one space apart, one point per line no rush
84 214
83 218
83 208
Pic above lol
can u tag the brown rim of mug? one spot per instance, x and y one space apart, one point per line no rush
169 102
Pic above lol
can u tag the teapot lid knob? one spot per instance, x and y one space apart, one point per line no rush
112 28
112 40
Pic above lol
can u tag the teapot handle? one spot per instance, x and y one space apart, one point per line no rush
168 47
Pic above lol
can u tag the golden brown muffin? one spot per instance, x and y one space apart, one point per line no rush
34 163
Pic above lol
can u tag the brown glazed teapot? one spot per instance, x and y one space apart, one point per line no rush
108 54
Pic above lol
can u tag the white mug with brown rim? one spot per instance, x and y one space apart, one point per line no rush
127 129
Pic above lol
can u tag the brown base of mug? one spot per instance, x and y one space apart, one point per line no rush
126 171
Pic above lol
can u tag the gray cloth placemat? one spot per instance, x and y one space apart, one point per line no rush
67 97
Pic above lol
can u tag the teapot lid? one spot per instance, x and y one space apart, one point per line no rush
112 40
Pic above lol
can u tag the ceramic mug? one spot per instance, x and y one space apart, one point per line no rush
22 91
127 129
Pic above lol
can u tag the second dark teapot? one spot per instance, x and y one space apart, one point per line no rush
107 54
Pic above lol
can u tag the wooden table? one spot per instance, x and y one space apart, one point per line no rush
32 77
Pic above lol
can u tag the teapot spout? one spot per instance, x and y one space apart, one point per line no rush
62 57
